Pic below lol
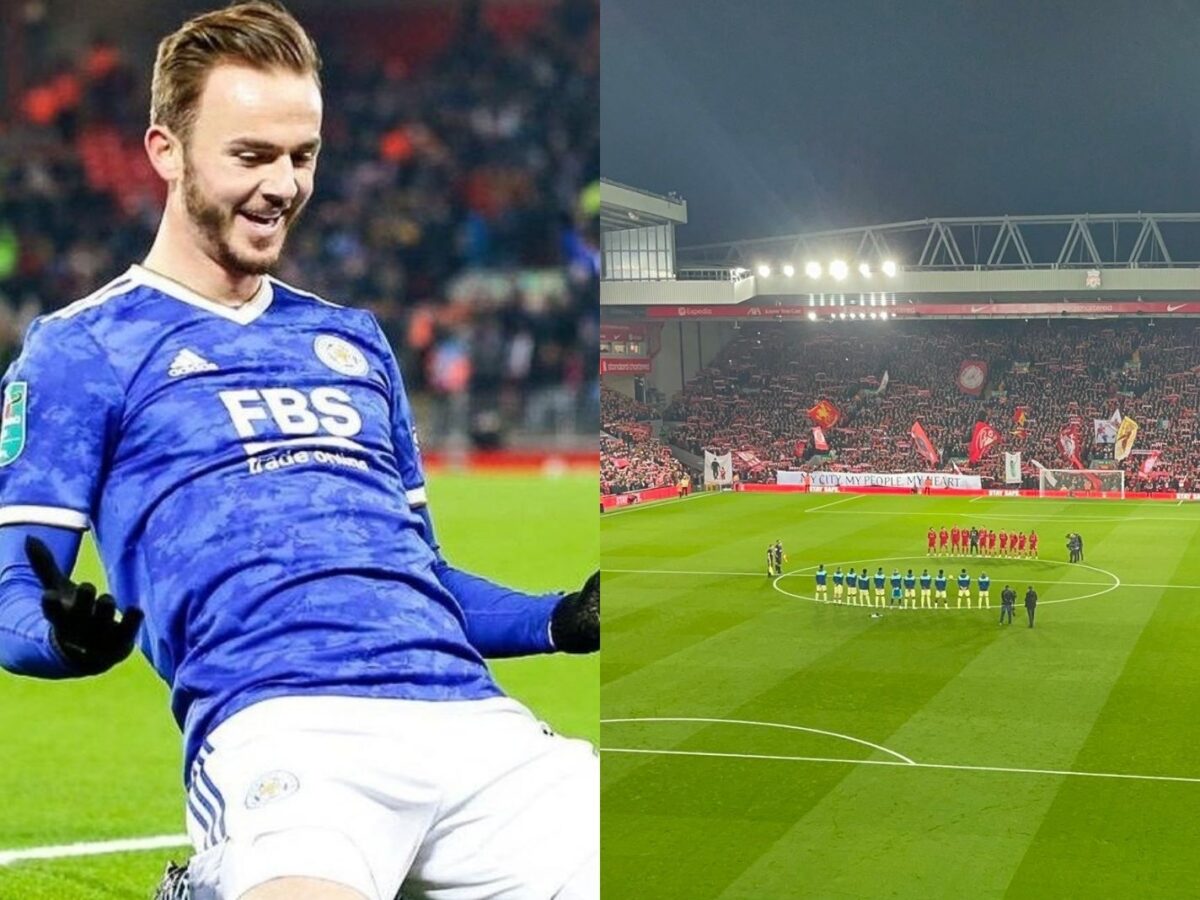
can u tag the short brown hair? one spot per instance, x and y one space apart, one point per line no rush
257 33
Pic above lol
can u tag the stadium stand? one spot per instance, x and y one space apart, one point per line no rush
631 459
456 197
1058 371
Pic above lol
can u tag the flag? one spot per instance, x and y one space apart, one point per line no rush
1012 468
1068 445
819 439
1050 479
801 446
1126 435
718 469
1020 415
883 382
983 438
922 443
1150 461
1104 431
972 375
825 414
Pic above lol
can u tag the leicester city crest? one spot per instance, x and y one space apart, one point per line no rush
12 423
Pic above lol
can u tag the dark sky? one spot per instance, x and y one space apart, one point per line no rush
773 117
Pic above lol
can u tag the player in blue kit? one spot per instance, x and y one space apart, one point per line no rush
877 581
910 589
985 591
852 587
926 581
939 589
245 455
964 589
822 578
896 580
864 586
838 580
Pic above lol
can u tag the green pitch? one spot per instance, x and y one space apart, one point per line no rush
99 759
924 753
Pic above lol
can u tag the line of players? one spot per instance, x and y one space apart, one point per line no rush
854 588
981 542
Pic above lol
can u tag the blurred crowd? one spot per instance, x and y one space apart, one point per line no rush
631 459
1042 376
457 197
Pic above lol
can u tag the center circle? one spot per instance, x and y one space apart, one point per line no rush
1104 589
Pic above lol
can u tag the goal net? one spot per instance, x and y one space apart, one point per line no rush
1081 483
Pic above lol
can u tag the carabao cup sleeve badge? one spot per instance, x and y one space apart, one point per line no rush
12 422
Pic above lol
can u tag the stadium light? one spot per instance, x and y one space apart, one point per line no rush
843 316
838 269
843 300
812 269
764 270
788 270
812 316
864 269
889 268
883 315
872 314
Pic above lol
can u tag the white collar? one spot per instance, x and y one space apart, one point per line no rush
242 315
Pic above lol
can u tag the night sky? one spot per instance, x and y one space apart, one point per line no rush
773 117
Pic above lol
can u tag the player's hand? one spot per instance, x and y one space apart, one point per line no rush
575 625
85 630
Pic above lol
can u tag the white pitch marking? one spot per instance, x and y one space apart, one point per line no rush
836 734
94 848
656 504
889 762
1041 518
836 502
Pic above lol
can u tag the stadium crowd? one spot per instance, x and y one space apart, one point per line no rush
457 197
1042 376
631 459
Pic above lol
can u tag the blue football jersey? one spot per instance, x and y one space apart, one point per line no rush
253 481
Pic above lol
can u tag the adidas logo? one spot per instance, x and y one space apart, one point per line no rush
188 363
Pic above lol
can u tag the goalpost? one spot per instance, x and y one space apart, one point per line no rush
1105 483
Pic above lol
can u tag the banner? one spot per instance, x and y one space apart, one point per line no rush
983 438
883 382
631 365
908 480
1104 431
1012 468
791 476
972 375
825 414
1068 445
800 447
922 444
1126 435
1150 462
718 469
819 440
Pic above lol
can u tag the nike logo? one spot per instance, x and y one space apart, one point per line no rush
977 308
1171 308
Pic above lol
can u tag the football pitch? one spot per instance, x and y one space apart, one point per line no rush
99 759
758 744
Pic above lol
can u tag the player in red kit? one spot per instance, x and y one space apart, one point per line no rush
1021 538
1004 543
954 539
1012 543
930 542
1033 544
991 543
943 537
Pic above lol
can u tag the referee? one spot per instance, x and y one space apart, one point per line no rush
1030 604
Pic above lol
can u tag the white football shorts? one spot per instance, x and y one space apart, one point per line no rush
454 801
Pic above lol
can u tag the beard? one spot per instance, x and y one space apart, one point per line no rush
216 224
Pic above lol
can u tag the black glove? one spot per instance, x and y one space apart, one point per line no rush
84 628
575 625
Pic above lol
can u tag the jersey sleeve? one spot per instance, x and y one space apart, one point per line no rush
500 621
62 405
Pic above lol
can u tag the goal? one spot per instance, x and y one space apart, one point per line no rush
1106 483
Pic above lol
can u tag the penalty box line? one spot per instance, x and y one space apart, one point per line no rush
1012 770
95 848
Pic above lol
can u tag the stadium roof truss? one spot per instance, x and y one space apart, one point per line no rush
1094 265
1134 240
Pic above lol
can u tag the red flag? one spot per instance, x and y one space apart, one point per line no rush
801 446
819 439
1068 445
983 439
972 376
922 443
1020 415
1150 462
825 414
